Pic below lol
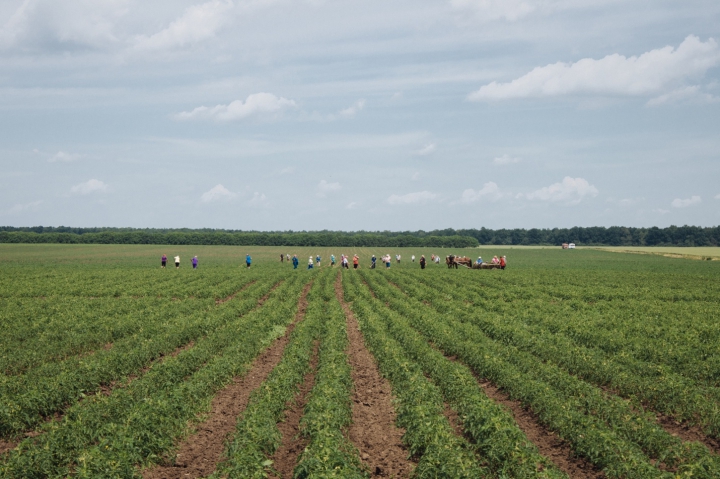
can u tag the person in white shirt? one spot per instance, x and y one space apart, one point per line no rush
177 261
413 258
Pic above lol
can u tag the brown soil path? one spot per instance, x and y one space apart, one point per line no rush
198 454
293 443
687 432
373 430
547 442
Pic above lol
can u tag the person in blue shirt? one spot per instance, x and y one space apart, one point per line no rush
332 260
248 260
479 260
295 261
373 260
317 260
310 263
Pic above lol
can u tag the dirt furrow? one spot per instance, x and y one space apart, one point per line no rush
198 455
373 430
547 442
228 298
293 443
687 432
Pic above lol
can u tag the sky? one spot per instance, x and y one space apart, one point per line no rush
373 115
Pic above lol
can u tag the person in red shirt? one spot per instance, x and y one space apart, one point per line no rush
503 263
356 261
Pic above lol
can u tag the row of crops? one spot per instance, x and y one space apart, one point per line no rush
105 374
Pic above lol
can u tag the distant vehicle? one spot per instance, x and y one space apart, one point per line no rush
571 246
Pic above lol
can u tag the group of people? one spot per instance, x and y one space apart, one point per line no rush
502 261
163 261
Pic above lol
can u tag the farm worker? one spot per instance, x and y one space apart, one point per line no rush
310 263
295 261
422 261
287 256
372 262
177 262
282 257
397 257
413 258
503 262
317 259
479 260
163 261
332 260
194 262
248 260
387 261
356 260
495 260
437 259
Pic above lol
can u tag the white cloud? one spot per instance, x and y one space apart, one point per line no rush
684 203
570 190
258 199
489 191
427 149
19 208
90 186
653 72
412 198
353 109
684 95
257 103
62 156
505 160
324 188
415 176
217 193
497 9
198 23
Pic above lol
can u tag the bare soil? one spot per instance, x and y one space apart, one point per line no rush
547 442
293 443
198 455
373 430
454 419
687 432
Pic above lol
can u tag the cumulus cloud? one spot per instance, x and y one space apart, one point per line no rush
418 197
353 109
62 156
684 203
688 94
505 160
255 104
217 193
324 188
654 72
428 149
90 186
490 191
570 190
19 208
197 23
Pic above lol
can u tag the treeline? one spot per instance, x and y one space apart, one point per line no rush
451 238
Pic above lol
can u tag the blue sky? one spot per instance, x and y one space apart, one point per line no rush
279 114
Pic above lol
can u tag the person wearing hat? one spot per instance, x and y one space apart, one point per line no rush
310 263
248 260
373 260
194 262
422 261
295 261
479 260
356 262
503 262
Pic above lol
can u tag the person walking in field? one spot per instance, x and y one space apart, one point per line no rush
163 261
356 262
413 258
437 259
295 261
387 261
310 263
177 262
194 262
282 257
503 262
317 260
287 256
345 262
332 260
422 261
248 260
397 258
372 262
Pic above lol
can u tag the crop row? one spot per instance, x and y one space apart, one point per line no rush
494 433
654 386
257 436
604 429
108 436
25 400
419 403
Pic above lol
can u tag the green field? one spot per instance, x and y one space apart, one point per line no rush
695 252
109 362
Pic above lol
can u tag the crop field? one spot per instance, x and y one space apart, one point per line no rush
579 364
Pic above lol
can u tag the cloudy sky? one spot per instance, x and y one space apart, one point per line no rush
321 114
